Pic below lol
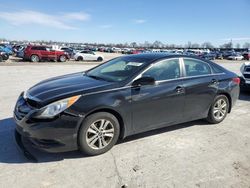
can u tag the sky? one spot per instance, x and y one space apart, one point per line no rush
120 21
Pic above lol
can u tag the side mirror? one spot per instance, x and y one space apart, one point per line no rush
144 81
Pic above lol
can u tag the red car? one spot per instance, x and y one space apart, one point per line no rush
139 51
38 53
246 55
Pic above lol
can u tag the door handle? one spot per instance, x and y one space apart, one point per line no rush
179 90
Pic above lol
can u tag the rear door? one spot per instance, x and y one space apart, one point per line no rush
50 53
200 88
43 52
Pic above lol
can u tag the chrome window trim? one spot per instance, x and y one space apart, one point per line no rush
157 82
187 77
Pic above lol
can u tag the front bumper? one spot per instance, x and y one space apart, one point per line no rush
53 135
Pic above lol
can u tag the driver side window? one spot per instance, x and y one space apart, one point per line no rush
164 70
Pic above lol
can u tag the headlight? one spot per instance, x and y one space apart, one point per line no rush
57 107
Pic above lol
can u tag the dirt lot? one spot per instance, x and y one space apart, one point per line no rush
193 154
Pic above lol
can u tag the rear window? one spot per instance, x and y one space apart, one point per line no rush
217 69
195 67
38 48
34 48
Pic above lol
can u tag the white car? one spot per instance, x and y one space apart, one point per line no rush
235 57
87 55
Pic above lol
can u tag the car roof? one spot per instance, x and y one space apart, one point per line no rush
39 46
151 57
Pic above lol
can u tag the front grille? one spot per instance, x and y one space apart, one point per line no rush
247 75
33 103
247 69
19 116
22 109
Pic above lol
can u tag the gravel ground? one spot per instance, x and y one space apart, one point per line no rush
193 154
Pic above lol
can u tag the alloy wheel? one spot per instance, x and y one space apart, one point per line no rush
34 58
62 58
100 134
220 109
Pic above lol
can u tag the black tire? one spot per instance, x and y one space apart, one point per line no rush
5 57
211 114
84 133
34 58
80 58
1 58
62 58
99 59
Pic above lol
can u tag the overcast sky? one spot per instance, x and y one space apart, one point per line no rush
175 21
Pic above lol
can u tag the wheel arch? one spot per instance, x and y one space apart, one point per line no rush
113 112
80 56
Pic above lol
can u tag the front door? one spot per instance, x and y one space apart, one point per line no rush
162 104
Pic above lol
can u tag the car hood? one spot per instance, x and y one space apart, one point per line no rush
63 86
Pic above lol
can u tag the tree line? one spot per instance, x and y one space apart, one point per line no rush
146 44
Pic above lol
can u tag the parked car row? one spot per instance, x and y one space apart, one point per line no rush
88 53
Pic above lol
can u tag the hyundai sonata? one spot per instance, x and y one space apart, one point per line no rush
131 94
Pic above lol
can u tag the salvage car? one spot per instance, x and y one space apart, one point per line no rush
127 95
208 56
6 49
235 56
246 55
245 79
87 55
38 53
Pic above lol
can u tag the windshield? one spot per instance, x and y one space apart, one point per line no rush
116 70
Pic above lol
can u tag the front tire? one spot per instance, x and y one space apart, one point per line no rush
218 110
34 58
99 59
98 133
80 58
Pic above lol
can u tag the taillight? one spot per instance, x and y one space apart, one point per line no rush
236 80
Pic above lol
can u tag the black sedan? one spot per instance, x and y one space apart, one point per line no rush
91 110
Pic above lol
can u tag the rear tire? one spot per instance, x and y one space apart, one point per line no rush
34 58
1 58
218 110
98 133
